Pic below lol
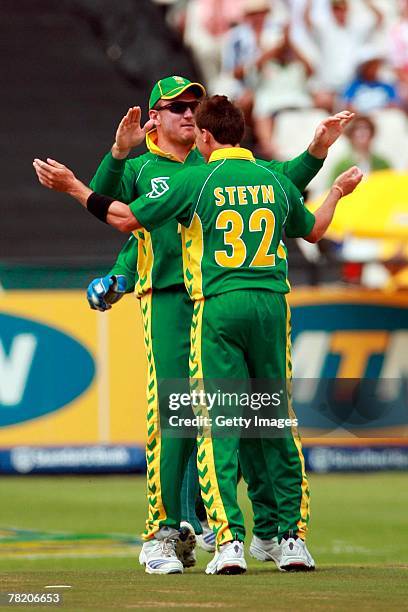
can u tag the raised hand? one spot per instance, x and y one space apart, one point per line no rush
130 133
328 131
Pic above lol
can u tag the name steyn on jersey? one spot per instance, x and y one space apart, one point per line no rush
233 212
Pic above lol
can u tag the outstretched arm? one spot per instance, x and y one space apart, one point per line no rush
178 201
342 186
58 177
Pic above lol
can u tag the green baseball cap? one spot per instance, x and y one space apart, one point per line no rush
173 86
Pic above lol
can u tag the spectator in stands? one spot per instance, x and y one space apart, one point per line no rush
338 34
361 134
284 71
206 23
244 46
398 52
358 253
368 92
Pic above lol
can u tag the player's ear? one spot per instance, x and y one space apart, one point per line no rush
155 116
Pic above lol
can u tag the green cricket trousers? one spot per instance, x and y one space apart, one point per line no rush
166 317
245 334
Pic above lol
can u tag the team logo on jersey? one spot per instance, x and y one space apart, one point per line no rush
159 186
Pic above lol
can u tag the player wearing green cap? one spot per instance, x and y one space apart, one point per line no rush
306 160
233 212
165 307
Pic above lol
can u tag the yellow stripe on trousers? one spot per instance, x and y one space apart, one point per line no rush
207 473
302 524
156 510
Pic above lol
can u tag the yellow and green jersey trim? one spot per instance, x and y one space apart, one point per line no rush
151 143
145 257
304 510
156 510
207 474
231 153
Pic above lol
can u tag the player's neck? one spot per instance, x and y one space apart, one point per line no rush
177 149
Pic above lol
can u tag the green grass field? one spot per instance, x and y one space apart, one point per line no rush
358 537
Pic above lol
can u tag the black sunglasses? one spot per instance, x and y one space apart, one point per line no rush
179 107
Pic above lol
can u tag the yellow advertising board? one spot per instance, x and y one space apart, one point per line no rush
73 378
70 375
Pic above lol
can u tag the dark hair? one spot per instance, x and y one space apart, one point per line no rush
222 119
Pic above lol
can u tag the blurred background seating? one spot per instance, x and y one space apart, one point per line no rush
74 67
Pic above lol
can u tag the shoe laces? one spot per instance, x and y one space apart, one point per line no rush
168 546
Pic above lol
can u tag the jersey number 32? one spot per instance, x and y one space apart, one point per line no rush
232 223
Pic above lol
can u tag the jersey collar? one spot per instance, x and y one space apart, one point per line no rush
151 143
231 153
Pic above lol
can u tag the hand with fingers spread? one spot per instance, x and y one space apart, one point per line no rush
328 131
130 133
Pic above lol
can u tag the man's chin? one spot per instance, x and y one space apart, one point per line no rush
188 135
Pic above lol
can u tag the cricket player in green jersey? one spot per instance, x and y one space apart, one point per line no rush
126 179
47 171
165 306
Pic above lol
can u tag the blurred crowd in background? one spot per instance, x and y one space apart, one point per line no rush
289 63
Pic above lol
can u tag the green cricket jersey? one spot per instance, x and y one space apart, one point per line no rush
234 211
157 255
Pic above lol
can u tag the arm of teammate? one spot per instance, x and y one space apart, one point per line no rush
115 175
176 202
58 177
126 263
301 223
302 169
342 186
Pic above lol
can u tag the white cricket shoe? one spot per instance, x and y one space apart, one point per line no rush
186 544
265 550
206 540
228 560
158 555
295 556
